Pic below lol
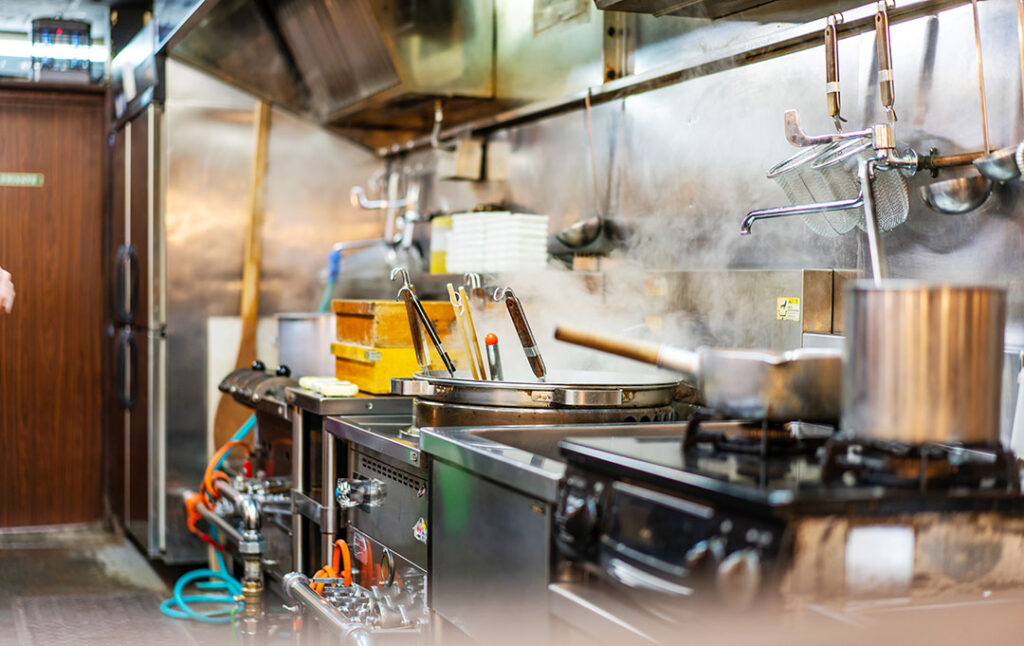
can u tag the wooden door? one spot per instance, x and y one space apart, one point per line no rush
51 240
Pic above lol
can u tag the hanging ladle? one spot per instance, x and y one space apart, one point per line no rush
1001 166
963 194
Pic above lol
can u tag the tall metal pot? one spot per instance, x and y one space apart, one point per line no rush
923 362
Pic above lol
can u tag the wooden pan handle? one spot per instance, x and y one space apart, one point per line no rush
832 72
622 346
886 86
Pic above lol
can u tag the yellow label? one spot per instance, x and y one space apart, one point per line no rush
787 308
656 325
657 287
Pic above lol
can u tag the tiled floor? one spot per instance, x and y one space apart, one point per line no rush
83 585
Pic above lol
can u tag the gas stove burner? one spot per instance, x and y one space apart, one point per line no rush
919 466
753 436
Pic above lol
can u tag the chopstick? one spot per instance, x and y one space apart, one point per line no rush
460 321
479 357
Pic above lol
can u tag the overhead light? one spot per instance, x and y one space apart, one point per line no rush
17 48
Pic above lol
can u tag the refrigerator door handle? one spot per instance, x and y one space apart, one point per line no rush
126 363
127 288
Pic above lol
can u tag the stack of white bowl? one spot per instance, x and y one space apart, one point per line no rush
497 241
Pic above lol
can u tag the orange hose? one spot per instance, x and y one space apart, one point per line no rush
210 495
208 476
341 549
339 557
326 572
191 513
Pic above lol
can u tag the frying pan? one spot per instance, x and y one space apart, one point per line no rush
802 384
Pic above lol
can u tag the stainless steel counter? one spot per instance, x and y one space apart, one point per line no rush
524 458
316 455
385 434
495 489
317 404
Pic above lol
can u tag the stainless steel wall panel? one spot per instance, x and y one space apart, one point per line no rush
209 158
209 148
684 163
310 172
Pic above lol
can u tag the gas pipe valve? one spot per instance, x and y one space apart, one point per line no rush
360 492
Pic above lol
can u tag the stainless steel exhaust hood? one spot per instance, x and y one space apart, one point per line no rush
371 69
755 10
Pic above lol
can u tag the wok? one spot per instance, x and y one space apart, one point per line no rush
802 384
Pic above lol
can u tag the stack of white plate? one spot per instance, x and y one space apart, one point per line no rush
497 241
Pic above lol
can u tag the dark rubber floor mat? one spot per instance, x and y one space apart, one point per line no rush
95 620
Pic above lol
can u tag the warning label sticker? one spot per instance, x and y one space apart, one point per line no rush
787 308
419 531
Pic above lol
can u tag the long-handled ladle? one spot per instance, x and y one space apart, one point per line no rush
1001 165
963 194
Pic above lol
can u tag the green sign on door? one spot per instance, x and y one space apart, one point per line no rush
34 180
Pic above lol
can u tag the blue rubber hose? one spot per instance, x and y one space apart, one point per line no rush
240 434
333 271
212 580
178 605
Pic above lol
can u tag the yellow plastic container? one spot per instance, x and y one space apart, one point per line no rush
372 368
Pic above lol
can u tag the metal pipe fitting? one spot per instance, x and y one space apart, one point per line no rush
296 586
246 506
358 198
879 266
222 525
883 137
249 509
933 162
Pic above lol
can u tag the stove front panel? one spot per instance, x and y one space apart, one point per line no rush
647 539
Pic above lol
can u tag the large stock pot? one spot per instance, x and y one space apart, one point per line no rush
923 362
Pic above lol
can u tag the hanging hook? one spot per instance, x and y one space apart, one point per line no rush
503 293
471 280
404 273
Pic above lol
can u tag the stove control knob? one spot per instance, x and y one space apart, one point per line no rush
697 555
358 492
738 578
708 552
579 516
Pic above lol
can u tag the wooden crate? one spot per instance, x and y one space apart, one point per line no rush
374 343
384 324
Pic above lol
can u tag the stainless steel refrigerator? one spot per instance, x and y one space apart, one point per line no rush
181 166
138 330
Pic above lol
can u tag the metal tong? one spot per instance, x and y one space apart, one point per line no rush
420 322
515 310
